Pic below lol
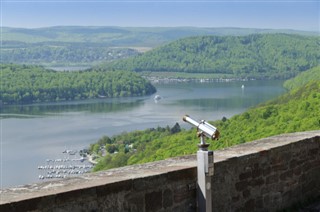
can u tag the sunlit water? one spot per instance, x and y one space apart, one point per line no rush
33 133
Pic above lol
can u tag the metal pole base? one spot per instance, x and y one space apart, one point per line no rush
204 182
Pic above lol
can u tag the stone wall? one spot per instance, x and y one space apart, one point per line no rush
265 175
271 177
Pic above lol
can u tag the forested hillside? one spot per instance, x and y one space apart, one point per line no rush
298 110
252 56
21 84
87 46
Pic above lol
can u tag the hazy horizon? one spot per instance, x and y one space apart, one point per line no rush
259 14
98 26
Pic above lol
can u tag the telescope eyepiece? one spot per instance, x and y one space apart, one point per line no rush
185 118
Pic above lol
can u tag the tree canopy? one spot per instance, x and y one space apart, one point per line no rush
21 84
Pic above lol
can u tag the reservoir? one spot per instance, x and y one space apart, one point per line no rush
31 134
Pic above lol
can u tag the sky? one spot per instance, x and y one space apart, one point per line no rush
267 14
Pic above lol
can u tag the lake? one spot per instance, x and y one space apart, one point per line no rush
31 134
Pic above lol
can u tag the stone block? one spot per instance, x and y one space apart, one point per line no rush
153 201
266 199
242 185
257 182
279 167
183 175
67 197
249 205
293 163
235 198
8 207
26 205
246 193
182 193
314 152
315 164
135 202
113 188
286 175
272 179
151 182
259 204
111 202
167 198
266 171
306 166
297 171
245 175
47 201
256 173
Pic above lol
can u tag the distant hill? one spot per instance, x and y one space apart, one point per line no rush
88 46
62 54
256 55
123 36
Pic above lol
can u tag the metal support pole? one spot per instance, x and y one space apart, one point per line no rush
205 163
205 172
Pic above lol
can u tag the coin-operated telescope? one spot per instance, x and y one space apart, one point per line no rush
205 162
204 128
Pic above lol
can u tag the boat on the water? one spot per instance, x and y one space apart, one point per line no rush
157 97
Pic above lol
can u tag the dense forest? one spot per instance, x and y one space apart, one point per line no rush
297 110
252 56
21 84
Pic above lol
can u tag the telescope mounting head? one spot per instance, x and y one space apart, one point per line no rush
204 130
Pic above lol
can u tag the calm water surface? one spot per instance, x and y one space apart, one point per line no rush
30 134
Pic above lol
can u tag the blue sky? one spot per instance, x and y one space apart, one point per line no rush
284 14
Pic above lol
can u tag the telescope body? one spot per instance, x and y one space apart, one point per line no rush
207 129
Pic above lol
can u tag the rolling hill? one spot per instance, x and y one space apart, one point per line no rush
257 56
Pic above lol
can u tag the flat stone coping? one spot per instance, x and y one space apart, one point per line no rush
145 170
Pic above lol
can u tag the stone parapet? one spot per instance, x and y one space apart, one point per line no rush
264 175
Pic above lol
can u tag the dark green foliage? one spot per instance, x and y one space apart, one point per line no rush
175 129
122 149
258 56
29 84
